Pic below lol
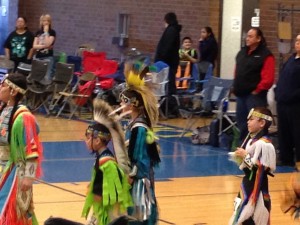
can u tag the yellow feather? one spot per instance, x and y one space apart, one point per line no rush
134 79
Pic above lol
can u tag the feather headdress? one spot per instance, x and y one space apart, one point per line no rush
103 115
138 92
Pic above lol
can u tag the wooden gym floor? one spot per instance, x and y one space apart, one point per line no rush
195 184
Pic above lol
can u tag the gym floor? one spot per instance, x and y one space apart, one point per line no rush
195 184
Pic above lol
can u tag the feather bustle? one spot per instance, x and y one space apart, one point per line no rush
102 111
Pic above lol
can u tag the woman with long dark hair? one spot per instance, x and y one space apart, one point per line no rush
208 46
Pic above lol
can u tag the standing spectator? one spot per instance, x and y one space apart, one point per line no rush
20 154
287 95
168 47
208 46
43 44
18 45
254 76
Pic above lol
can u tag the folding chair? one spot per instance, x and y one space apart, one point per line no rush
36 95
84 47
104 81
183 75
196 81
24 68
38 73
92 61
190 98
80 94
6 66
215 91
225 114
61 82
160 79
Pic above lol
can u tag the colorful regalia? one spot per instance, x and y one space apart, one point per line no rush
143 157
109 176
142 147
290 198
20 157
253 201
115 189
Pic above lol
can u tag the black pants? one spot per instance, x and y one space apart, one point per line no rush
288 132
243 105
172 80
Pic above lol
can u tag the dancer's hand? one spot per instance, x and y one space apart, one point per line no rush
97 198
240 152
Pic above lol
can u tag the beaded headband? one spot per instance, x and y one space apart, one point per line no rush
97 133
15 87
259 115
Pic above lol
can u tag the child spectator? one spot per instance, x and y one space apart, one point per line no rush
186 52
187 56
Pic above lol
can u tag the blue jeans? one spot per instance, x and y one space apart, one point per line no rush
243 105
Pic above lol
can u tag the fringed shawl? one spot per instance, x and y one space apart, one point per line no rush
24 142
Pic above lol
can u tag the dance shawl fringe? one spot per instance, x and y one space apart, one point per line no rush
114 191
25 136
264 157
24 144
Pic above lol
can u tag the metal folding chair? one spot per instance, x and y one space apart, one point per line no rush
160 80
80 94
6 66
35 95
61 82
215 91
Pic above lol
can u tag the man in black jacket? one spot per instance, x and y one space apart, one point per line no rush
254 76
168 47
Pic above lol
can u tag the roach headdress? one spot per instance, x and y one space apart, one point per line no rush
138 92
103 115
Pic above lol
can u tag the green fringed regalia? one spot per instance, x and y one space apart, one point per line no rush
115 195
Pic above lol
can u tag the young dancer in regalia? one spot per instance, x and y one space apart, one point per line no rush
257 160
108 193
108 196
20 154
139 101
290 198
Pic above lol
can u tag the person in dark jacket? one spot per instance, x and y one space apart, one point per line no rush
254 76
287 95
168 47
208 46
